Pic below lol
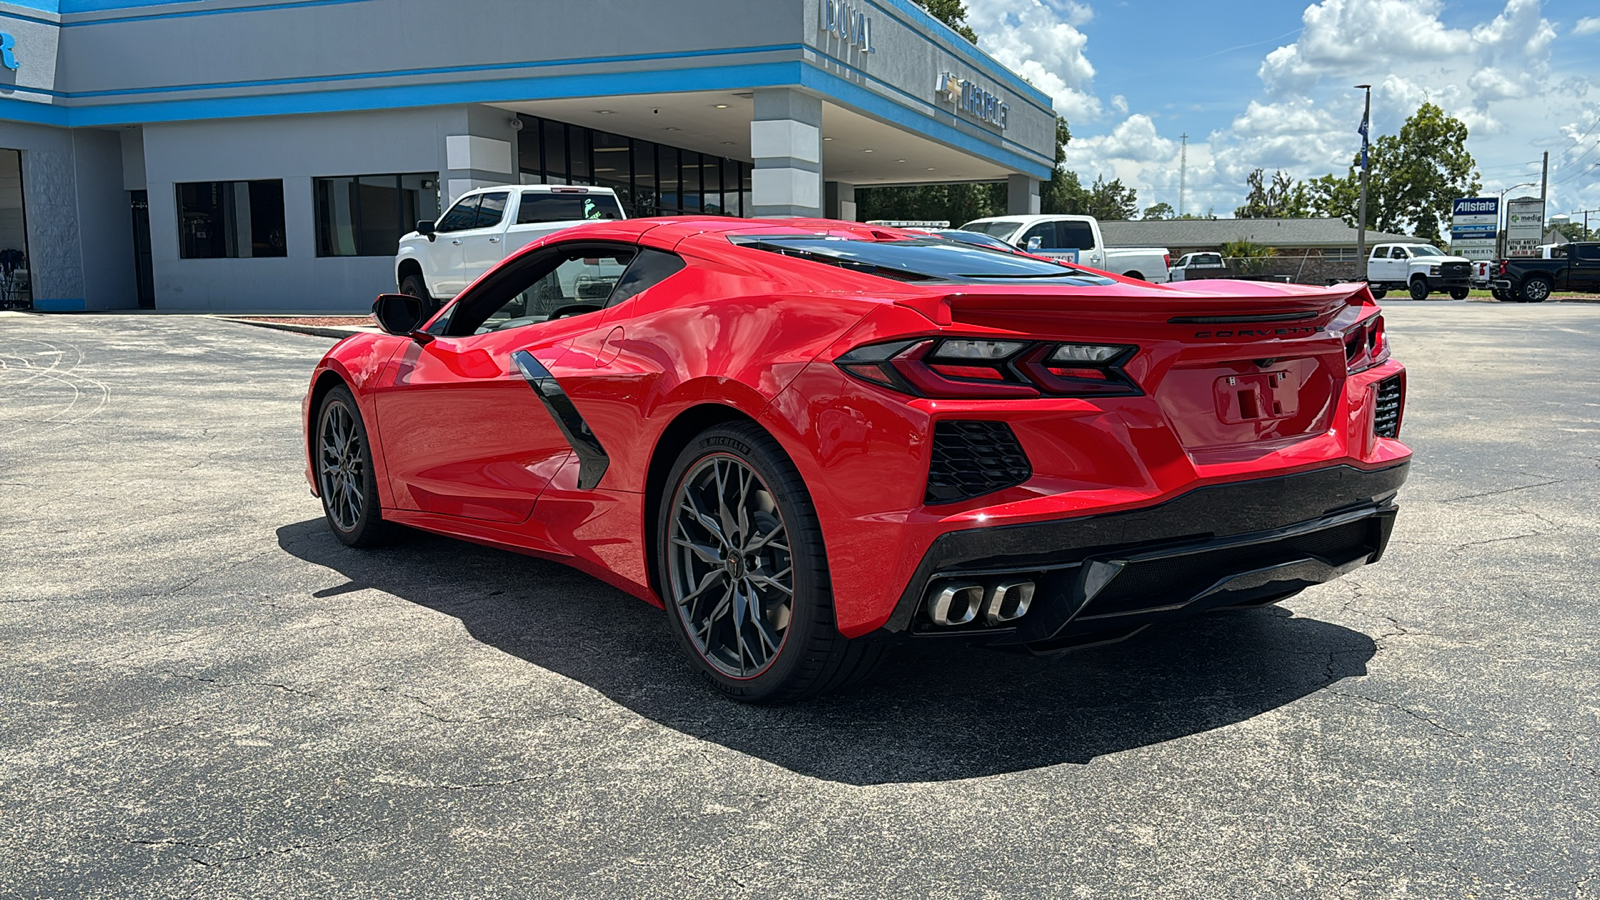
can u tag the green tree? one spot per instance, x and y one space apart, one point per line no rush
1062 193
952 13
1252 257
1284 198
1413 177
1111 201
1159 211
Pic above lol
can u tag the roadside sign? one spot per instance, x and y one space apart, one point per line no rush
1524 226
1474 227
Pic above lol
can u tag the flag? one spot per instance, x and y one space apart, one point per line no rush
1363 131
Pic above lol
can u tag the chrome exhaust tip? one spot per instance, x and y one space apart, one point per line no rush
1008 601
955 603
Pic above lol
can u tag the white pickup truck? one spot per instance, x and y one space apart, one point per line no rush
1418 269
1200 260
1075 239
440 258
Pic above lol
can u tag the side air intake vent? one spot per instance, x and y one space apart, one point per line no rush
971 459
1386 414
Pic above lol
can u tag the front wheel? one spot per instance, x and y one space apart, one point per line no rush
1419 289
1536 290
1499 295
745 575
1459 293
345 478
413 285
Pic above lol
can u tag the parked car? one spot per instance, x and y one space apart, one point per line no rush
1195 261
1532 280
440 258
1419 269
1076 239
808 440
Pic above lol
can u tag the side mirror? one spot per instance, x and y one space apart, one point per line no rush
425 228
1035 243
401 314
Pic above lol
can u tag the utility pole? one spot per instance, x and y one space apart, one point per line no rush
1544 188
1183 171
1361 219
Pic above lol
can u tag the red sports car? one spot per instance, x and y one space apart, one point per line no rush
809 440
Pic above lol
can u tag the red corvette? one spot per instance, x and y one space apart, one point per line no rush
810 439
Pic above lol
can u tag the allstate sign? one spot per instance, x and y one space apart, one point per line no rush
1476 206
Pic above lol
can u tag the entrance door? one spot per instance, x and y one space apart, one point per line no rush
16 282
143 273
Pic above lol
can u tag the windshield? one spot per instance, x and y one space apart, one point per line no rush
1425 250
975 238
919 259
540 207
1001 229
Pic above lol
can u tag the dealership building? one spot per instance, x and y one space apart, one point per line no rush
268 154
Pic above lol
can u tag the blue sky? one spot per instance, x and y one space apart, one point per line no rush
1270 85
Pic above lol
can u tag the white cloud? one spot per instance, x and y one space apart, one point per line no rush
1344 37
1042 42
1590 25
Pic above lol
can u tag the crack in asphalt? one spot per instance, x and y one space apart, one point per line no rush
269 851
1525 487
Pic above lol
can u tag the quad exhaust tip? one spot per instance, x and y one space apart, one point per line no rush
955 603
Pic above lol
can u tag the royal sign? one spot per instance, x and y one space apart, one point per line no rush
848 23
974 101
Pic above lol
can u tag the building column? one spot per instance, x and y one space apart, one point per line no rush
1022 196
839 200
482 153
786 144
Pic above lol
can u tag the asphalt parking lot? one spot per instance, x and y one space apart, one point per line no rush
203 694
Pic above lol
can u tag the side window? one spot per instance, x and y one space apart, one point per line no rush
1380 253
1075 236
1398 253
1587 252
649 268
1044 231
492 210
460 217
579 282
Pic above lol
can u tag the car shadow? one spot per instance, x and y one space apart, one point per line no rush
936 710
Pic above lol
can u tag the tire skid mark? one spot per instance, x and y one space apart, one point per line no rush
36 373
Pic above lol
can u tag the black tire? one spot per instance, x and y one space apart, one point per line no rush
1378 293
1136 276
1419 288
346 481
1536 290
413 285
811 657
1459 293
1499 295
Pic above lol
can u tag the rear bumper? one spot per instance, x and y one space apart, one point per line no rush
1106 577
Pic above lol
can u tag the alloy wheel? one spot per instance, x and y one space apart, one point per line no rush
729 566
341 468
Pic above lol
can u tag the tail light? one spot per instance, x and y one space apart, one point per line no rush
972 369
1366 345
1166 260
1502 267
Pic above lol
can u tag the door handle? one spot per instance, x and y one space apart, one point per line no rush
457 241
494 240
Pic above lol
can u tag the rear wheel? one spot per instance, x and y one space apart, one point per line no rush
744 572
1536 290
1419 288
1378 293
345 478
1459 293
1137 276
1498 294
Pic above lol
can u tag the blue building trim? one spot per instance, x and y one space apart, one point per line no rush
62 304
706 78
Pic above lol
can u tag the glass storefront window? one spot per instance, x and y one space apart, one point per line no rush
365 215
650 179
231 219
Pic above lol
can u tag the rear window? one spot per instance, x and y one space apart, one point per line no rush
920 259
540 207
1001 230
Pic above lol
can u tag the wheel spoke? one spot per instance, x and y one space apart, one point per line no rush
762 542
705 521
707 554
769 581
